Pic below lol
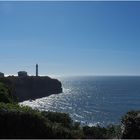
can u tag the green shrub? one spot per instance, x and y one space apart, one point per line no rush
98 132
5 94
113 131
61 118
131 125
94 132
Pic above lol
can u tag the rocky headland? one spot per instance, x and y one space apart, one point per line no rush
32 87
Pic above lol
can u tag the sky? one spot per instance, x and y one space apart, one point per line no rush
70 38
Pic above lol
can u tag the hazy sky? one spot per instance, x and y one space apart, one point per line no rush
70 38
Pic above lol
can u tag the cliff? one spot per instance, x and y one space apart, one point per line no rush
31 87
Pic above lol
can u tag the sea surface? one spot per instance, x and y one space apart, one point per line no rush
93 100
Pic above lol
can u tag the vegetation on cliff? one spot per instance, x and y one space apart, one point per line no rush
6 95
24 122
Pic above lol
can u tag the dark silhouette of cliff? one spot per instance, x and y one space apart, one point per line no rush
32 87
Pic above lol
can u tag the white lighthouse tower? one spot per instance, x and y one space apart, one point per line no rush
36 69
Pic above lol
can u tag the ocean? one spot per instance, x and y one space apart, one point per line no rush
93 100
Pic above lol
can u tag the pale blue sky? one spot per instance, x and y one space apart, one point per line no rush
70 38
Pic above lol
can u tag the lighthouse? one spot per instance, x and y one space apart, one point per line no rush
36 69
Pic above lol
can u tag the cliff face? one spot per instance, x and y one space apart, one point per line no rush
31 87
